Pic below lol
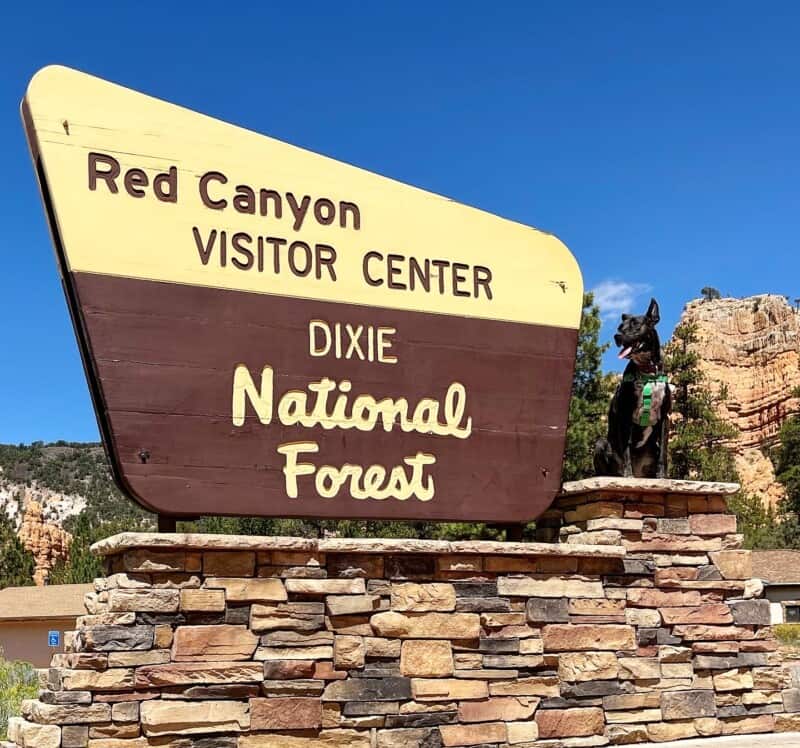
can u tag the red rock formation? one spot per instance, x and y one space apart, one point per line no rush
751 347
47 542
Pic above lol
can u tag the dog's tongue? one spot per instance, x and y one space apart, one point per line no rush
625 353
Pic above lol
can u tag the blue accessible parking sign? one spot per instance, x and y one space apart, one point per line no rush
53 638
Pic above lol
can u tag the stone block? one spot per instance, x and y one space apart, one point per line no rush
664 732
545 686
350 565
587 666
679 705
748 725
581 637
531 646
673 526
712 524
423 597
202 600
229 563
348 652
405 737
115 679
498 709
630 701
151 560
218 643
482 604
31 735
143 600
677 670
639 715
787 723
326 671
791 700
193 717
65 697
334 738
136 659
570 723
192 673
290 638
74 736
293 713
751 612
368 689
125 711
346 605
247 590
326 586
592 689
409 566
733 565
280 616
464 735
381 648
697 633
65 714
521 732
547 610
549 587
448 689
714 614
672 654
643 617
594 607
426 658
426 625
294 653
288 669
733 680
716 662
639 668
116 638
650 598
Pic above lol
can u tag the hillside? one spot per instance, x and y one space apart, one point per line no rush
46 490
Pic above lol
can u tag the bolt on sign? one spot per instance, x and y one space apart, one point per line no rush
268 331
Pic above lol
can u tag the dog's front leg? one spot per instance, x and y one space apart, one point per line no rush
626 403
663 452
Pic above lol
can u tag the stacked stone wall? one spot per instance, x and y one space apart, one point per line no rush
642 624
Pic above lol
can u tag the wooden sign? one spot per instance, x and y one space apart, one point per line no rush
271 332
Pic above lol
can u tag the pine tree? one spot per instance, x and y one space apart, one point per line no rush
787 469
591 394
16 563
699 442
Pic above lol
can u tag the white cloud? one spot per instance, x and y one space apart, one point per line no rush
615 297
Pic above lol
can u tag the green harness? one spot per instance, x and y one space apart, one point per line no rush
647 392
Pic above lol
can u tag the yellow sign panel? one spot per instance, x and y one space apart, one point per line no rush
218 206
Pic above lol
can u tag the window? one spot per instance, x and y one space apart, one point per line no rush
792 613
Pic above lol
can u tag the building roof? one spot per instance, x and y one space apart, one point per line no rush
777 567
38 603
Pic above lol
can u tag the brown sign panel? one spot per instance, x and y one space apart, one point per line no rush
271 332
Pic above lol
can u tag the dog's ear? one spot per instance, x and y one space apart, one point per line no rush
653 315
626 317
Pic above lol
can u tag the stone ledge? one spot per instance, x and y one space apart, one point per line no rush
771 740
195 541
648 485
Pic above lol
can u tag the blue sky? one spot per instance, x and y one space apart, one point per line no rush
659 141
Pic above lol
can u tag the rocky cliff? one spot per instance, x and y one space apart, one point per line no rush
47 542
752 347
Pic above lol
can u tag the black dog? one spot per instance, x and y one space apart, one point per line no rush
638 419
